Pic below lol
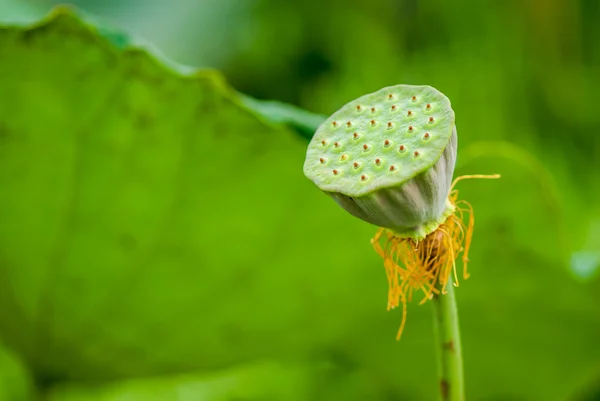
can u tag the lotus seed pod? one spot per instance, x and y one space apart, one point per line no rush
388 158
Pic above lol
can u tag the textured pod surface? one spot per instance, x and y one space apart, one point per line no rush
388 158
380 140
413 209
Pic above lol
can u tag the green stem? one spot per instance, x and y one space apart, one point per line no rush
452 385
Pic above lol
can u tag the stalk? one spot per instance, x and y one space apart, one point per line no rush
451 376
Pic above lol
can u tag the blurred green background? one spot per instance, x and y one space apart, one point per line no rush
165 257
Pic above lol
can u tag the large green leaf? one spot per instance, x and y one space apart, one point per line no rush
156 222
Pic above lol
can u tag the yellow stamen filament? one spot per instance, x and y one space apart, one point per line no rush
426 265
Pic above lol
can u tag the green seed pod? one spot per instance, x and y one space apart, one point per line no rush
388 158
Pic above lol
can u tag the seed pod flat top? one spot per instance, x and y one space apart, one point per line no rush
380 140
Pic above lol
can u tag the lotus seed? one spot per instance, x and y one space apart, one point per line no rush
388 125
416 154
428 107
322 160
392 168
336 172
363 177
431 120
378 162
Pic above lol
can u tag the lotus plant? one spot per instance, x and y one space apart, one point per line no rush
388 158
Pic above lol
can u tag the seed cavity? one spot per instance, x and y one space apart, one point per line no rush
343 157
426 135
336 144
392 168
410 128
358 107
431 120
387 143
356 165
414 98
336 172
373 123
390 96
402 148
428 107
378 162
324 142
322 160
390 125
363 177
409 113
335 123
394 107
416 154
373 109
355 135
366 147
348 124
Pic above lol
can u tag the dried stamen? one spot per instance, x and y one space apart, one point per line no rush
427 264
